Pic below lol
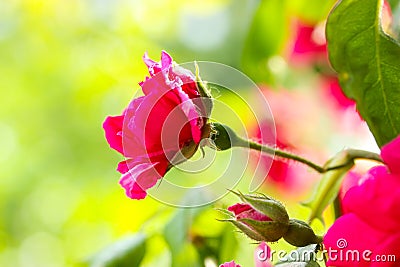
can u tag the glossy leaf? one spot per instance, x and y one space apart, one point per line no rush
367 60
177 234
329 186
127 252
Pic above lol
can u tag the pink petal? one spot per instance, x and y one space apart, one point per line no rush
132 139
166 60
239 208
155 67
142 176
152 119
380 192
188 80
113 131
350 233
389 247
245 211
391 155
190 110
123 167
156 84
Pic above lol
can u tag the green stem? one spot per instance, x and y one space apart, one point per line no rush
362 154
225 138
352 155
284 154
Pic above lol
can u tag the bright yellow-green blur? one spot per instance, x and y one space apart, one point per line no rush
65 66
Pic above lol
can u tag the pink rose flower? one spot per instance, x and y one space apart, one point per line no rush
371 222
160 129
230 264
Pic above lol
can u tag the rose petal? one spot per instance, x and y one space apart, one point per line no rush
113 131
242 211
239 208
155 67
380 191
141 177
123 167
391 155
386 249
191 112
350 233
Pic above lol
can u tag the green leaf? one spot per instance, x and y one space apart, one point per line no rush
367 60
127 252
228 245
177 233
329 186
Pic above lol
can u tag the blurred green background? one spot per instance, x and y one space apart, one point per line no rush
65 66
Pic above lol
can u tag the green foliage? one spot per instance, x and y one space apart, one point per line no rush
177 235
266 38
127 252
367 60
329 186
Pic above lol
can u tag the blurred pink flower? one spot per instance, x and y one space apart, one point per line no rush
309 44
230 264
333 89
168 119
280 172
372 212
386 17
292 111
262 255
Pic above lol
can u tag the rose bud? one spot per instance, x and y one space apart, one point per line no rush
260 218
300 234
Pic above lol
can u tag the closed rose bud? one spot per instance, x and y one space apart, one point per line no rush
268 206
256 225
300 234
